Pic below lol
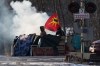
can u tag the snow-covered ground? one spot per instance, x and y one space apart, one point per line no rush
35 61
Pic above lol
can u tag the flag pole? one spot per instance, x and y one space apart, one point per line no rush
62 17
61 14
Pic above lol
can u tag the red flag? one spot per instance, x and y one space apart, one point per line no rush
52 23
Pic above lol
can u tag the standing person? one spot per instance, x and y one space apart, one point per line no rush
42 35
60 33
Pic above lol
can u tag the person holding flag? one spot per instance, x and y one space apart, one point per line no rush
60 32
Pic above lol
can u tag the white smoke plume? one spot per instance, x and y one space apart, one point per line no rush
26 19
22 19
6 22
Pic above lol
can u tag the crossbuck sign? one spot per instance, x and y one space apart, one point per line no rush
81 15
